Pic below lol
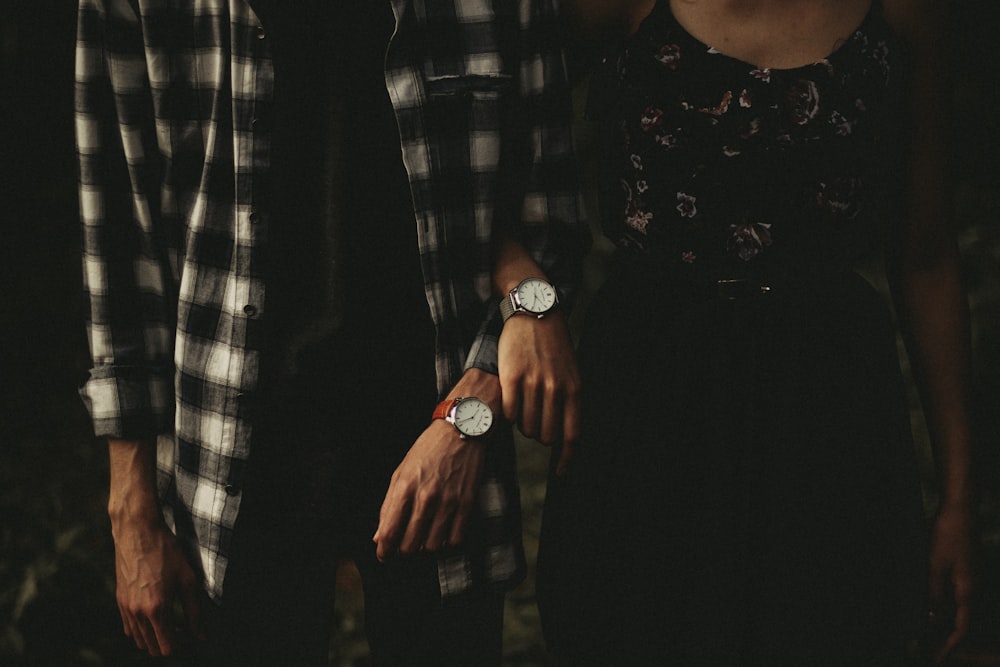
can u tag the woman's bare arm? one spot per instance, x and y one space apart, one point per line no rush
924 266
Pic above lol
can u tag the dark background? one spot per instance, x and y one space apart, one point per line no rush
56 577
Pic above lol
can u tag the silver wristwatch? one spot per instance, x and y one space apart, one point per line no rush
533 296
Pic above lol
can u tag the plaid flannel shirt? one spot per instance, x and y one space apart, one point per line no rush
173 141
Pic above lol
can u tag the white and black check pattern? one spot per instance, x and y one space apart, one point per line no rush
172 103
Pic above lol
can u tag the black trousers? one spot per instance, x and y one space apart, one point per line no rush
278 607
321 465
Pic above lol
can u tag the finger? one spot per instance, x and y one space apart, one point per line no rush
126 621
565 457
962 617
510 395
571 433
149 643
133 631
417 528
961 629
192 608
531 400
393 518
164 634
551 416
440 530
458 523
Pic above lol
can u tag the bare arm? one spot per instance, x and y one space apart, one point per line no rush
151 570
924 264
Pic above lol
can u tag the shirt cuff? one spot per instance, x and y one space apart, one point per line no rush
129 402
483 352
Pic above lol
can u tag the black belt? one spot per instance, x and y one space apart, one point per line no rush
731 289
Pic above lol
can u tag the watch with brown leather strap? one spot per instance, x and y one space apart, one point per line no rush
470 416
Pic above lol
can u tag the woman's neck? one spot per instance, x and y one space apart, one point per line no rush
779 34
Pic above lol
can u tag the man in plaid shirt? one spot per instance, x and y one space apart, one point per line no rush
298 221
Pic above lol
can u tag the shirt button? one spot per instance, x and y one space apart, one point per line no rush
260 32
250 310
232 490
254 216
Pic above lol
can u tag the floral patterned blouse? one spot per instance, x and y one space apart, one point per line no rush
710 159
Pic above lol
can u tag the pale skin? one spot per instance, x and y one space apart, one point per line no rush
431 493
922 255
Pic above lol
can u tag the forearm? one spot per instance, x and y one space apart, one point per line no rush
132 500
479 384
935 321
511 264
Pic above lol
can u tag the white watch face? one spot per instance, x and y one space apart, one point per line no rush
536 295
473 417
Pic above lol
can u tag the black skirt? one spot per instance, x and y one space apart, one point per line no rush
746 491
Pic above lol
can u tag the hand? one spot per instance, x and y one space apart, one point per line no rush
431 493
151 572
151 569
539 381
951 573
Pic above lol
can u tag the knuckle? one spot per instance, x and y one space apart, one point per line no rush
149 611
427 495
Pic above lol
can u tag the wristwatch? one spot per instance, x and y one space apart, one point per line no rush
470 416
533 296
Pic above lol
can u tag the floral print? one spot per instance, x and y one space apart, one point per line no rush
687 207
669 55
802 98
721 161
651 118
748 240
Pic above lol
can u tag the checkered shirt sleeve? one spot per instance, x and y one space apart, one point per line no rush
165 98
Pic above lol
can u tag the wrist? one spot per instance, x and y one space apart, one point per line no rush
132 497
479 383
532 296
955 503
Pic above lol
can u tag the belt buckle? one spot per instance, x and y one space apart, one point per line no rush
731 289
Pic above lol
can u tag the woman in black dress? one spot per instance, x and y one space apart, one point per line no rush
745 491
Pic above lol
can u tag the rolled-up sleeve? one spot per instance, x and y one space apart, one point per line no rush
126 266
